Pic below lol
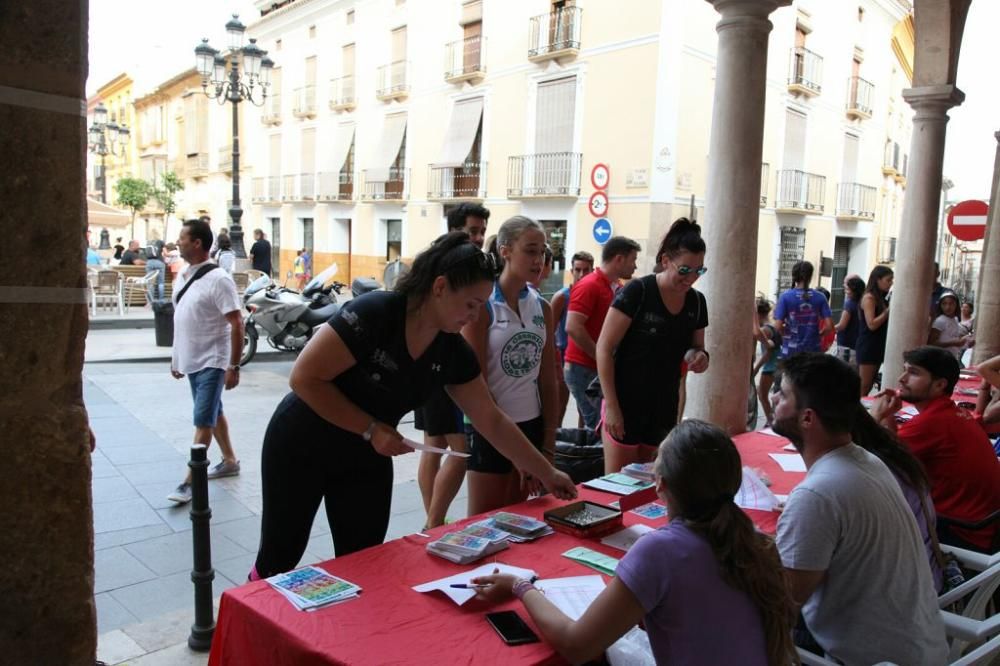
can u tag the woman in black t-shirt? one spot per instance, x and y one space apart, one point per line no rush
655 323
333 437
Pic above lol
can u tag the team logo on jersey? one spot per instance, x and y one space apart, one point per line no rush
521 354
539 321
380 357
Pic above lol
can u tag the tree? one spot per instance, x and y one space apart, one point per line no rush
133 193
170 185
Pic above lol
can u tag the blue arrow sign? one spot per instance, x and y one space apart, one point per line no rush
602 230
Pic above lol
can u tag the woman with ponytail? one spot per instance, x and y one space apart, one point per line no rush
654 325
708 587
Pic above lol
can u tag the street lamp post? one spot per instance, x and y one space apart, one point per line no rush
104 138
236 86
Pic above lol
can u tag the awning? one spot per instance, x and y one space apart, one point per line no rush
103 215
461 134
342 141
393 130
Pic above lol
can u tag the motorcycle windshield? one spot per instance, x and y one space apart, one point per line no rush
321 279
257 285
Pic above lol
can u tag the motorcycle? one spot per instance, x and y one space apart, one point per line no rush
286 317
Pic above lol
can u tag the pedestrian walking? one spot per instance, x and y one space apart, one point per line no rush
225 257
260 253
873 325
512 339
156 264
333 437
208 341
802 315
655 324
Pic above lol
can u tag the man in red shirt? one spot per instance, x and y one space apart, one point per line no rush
963 469
588 306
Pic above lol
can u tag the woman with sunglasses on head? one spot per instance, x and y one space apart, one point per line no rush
513 342
708 587
654 324
333 437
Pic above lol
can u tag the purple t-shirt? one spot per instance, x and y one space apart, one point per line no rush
692 616
802 310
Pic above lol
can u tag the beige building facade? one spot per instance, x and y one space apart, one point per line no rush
385 113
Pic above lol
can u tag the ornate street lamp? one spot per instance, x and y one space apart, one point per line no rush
104 138
235 86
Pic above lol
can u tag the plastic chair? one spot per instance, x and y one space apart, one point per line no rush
971 601
141 284
106 284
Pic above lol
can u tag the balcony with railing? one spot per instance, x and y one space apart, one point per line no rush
799 192
196 165
554 175
342 97
859 98
765 175
466 182
298 187
304 102
855 201
805 72
890 159
226 157
555 35
271 111
887 252
465 60
396 188
392 81
335 186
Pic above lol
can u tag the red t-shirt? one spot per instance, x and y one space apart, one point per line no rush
963 469
591 296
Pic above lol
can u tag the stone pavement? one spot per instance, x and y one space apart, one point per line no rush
141 417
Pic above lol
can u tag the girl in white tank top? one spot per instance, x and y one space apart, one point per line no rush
514 342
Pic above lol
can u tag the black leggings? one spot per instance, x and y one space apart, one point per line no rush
306 459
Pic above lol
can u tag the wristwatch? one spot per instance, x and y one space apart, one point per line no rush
234 368
367 434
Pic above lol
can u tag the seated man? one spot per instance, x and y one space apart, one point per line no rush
959 459
851 548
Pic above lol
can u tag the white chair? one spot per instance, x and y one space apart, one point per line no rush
972 621
142 284
106 284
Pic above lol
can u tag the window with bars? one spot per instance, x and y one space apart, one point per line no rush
793 249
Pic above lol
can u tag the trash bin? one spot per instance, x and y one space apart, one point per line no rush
163 322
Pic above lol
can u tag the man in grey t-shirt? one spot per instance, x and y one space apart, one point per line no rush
847 538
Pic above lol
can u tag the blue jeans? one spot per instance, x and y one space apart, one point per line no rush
206 390
157 265
578 378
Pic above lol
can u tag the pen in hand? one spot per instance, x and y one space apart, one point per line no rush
469 586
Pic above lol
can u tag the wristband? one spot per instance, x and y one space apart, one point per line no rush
521 588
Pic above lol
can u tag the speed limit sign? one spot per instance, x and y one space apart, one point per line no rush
600 175
598 204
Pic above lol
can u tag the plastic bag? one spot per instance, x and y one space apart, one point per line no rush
632 649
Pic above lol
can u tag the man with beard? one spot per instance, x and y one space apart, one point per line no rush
954 449
851 548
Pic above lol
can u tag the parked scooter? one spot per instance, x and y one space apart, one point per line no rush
286 317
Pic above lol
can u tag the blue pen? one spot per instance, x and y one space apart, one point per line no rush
468 586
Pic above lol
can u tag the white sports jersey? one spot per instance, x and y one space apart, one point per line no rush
514 352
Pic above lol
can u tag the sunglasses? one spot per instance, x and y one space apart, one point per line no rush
687 270
484 261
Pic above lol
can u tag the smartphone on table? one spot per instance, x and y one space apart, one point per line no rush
511 628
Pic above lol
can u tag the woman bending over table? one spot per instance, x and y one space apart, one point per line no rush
333 437
513 342
709 588
654 324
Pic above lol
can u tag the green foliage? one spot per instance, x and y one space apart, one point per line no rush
134 194
170 186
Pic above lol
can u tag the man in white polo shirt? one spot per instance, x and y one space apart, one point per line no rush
208 341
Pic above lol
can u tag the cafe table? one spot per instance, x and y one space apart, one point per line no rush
389 623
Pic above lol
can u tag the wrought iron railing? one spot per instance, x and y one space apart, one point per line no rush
544 174
463 182
342 92
856 200
396 188
271 112
305 101
335 185
465 57
556 31
392 79
765 175
298 187
799 190
859 96
805 69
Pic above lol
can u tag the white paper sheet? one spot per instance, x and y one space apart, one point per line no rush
460 596
433 449
789 447
624 539
790 462
572 595
609 487
753 494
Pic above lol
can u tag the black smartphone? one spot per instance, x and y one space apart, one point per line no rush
511 627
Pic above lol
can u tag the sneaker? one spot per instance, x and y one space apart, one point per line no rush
224 468
181 494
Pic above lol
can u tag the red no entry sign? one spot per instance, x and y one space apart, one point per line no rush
967 220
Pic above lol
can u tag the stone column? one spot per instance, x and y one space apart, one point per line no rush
732 210
909 322
47 545
988 293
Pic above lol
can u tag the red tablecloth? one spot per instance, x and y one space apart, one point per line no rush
390 623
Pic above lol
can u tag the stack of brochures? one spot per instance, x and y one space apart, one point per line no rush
310 588
521 528
618 483
641 471
462 548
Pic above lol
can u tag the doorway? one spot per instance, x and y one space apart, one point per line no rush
841 260
555 236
